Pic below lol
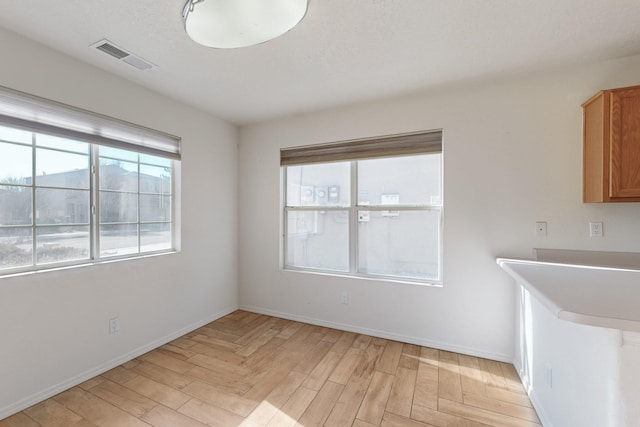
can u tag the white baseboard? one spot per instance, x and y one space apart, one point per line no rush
508 358
542 415
16 407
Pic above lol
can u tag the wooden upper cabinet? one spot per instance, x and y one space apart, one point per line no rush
612 146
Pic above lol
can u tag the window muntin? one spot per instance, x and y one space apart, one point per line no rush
47 190
389 209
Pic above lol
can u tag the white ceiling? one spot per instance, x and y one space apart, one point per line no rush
344 51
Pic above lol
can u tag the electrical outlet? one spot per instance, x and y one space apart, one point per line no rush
114 325
541 228
595 229
344 298
548 374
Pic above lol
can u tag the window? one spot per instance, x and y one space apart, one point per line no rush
135 202
65 198
367 208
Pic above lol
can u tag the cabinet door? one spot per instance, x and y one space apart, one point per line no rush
625 143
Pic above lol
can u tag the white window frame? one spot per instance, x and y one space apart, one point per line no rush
37 115
353 210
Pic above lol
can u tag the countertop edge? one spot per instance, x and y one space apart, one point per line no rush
560 312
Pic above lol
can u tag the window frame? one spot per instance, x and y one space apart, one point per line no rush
353 211
25 112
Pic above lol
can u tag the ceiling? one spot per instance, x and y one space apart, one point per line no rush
344 51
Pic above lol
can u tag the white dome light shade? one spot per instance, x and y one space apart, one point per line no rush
240 23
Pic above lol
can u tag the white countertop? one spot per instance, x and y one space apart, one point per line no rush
598 296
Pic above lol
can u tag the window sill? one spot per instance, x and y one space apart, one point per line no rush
385 279
89 263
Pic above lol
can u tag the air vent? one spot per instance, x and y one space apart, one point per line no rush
112 50
122 55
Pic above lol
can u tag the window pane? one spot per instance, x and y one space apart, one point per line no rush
15 247
412 180
319 185
59 244
399 243
118 175
118 207
155 237
116 153
15 135
116 240
155 208
15 164
55 206
154 179
155 160
57 169
318 239
15 205
61 143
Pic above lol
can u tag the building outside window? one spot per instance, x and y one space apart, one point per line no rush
67 199
365 208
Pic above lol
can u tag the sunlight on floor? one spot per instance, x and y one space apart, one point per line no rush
266 411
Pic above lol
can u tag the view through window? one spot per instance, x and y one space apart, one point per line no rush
54 192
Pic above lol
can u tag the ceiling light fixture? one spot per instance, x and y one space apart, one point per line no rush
240 23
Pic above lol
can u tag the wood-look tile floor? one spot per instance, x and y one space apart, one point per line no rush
251 370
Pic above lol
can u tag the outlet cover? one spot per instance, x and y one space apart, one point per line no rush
114 325
541 228
344 298
595 229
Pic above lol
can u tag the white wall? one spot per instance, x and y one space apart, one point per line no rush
512 155
54 325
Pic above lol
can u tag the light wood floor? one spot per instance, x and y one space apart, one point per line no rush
252 370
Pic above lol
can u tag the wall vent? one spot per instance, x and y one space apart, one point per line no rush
122 55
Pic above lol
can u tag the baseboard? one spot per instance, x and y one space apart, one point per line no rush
14 408
382 334
542 415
